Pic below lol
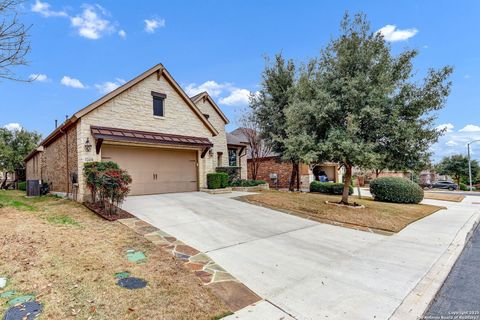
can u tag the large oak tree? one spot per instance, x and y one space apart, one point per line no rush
359 105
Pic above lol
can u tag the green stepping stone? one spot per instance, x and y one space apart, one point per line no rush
136 256
21 299
8 294
122 275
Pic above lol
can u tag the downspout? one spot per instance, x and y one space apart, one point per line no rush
66 153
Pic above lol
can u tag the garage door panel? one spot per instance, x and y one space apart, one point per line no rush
155 170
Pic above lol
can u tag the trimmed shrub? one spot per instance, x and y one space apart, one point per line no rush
464 187
107 181
217 180
395 189
233 173
328 187
247 183
22 185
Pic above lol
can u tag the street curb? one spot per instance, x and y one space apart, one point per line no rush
416 303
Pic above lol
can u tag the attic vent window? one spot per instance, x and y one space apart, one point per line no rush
158 104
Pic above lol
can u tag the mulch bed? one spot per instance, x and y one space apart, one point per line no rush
121 214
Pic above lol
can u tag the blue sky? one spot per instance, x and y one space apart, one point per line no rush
81 50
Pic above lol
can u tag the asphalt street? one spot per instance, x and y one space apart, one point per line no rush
459 297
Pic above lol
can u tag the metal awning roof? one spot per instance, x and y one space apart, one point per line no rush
127 135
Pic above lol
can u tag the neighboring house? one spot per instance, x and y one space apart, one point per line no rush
166 140
278 173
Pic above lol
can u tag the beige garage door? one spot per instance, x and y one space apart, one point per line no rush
155 170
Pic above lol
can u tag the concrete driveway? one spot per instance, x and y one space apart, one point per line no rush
305 269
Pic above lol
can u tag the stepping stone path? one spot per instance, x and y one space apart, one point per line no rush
132 283
136 256
8 294
122 275
225 286
21 299
25 311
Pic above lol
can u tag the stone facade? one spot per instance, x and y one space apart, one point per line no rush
219 150
56 163
131 109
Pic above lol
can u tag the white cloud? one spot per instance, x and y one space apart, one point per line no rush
40 77
152 24
448 126
43 8
72 82
13 126
455 142
470 128
238 97
391 33
226 93
109 86
91 23
213 88
467 76
122 34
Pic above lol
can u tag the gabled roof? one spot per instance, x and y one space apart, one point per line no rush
233 140
204 95
160 70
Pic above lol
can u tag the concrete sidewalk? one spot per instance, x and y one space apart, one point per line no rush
305 269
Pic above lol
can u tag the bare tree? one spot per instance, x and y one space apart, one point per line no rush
257 149
14 44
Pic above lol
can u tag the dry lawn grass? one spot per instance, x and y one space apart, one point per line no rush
68 256
444 196
391 217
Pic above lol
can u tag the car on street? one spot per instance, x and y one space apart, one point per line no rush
445 185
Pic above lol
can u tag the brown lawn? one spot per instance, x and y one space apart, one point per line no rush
67 256
444 196
390 217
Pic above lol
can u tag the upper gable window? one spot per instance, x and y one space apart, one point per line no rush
158 104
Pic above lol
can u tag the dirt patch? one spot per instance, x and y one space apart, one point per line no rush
70 267
382 216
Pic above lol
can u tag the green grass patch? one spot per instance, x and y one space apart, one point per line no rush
14 199
62 219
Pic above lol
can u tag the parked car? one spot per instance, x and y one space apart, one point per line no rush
445 185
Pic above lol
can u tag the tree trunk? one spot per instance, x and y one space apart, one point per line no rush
346 183
4 182
291 186
254 169
298 176
377 173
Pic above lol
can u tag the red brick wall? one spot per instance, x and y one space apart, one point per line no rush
53 162
273 165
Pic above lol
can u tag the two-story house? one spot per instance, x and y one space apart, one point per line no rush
165 139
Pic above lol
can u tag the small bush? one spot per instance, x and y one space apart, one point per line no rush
217 180
233 173
328 187
464 187
247 183
107 181
22 185
395 189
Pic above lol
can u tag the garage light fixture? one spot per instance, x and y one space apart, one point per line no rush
88 145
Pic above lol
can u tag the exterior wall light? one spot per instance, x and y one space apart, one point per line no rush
88 145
